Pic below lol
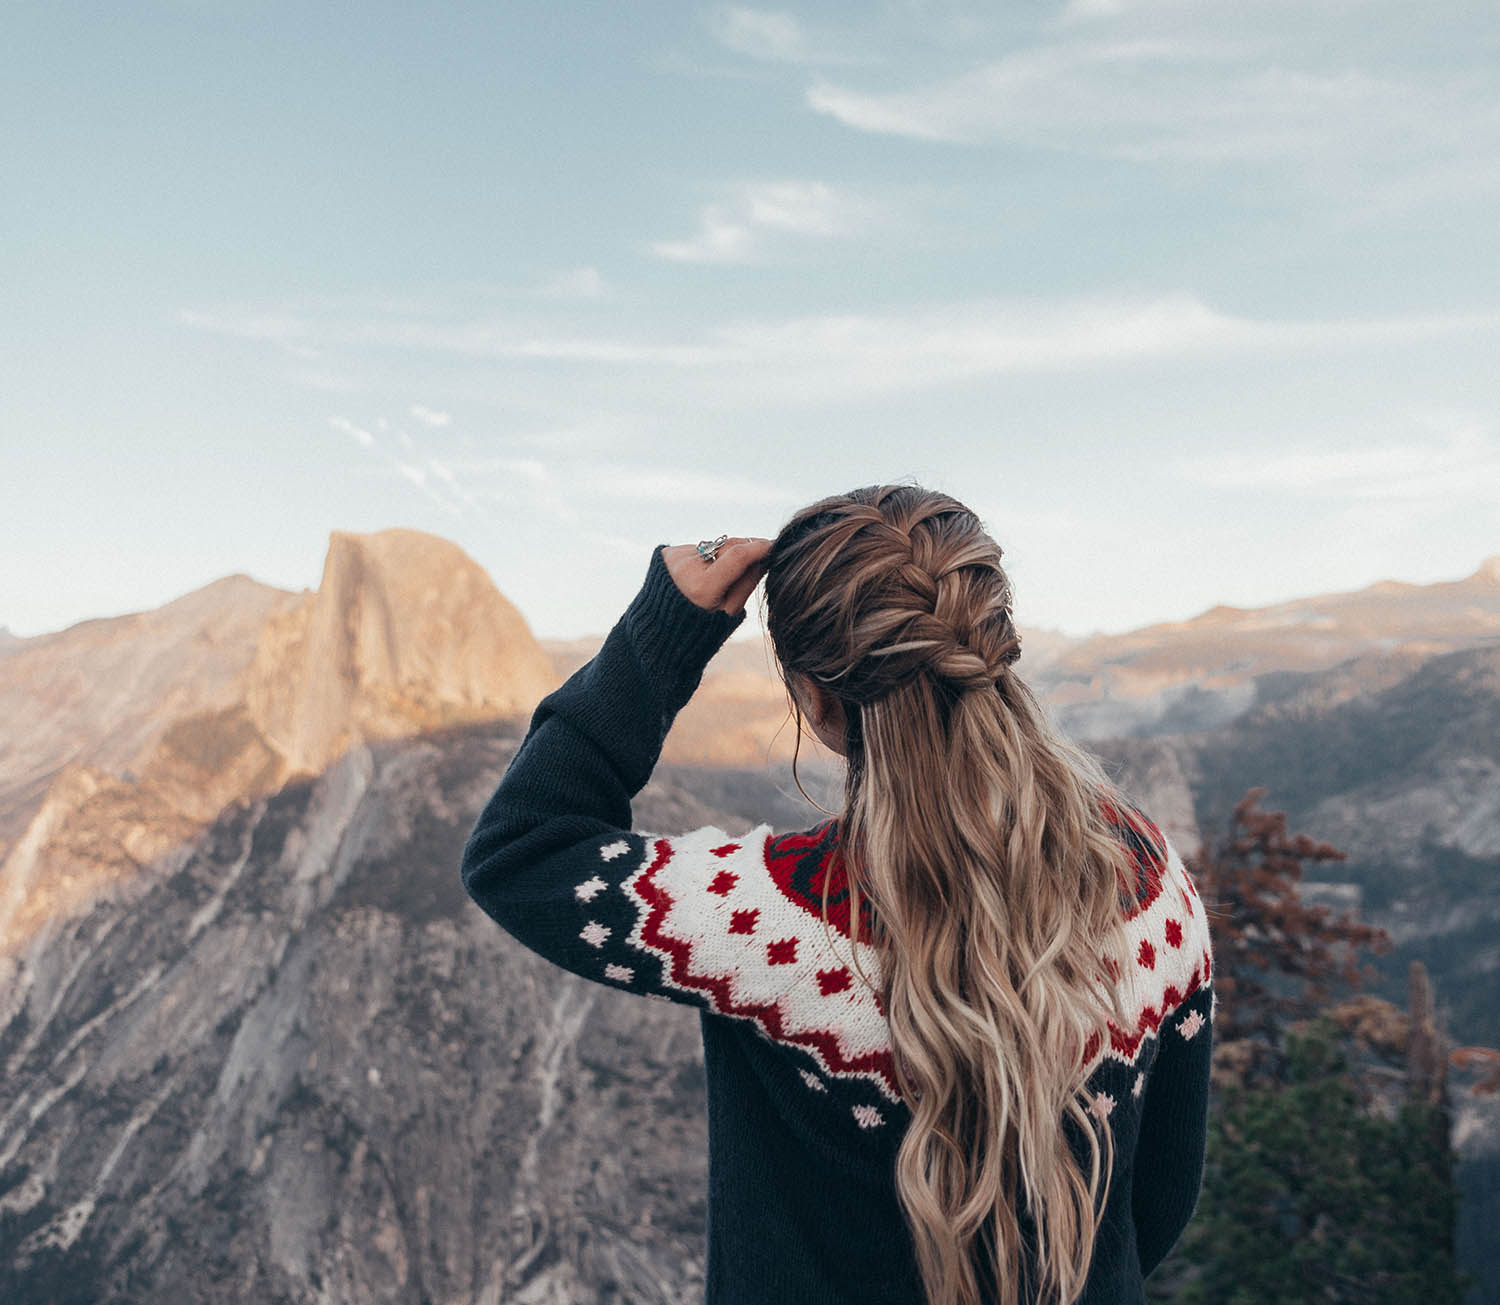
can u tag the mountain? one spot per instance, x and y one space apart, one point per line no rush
405 633
1162 680
741 715
1197 674
102 693
302 1066
126 736
1403 778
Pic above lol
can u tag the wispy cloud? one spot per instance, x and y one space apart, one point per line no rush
675 484
774 36
447 332
854 355
733 229
1154 97
1274 85
430 416
576 283
357 433
721 238
429 476
1458 465
1085 9
286 332
761 33
579 491
804 208
571 482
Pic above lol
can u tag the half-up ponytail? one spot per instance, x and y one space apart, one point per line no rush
985 847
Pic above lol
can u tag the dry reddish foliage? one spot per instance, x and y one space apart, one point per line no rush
1484 1059
1275 957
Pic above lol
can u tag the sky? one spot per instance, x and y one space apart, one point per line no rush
1193 301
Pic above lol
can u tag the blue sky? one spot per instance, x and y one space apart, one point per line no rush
1194 301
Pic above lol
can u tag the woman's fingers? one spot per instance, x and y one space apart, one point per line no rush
726 583
755 555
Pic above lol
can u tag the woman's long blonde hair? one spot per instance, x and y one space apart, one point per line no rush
984 847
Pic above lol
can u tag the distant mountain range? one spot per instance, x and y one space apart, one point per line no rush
255 1044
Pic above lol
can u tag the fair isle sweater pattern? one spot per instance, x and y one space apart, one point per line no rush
728 925
737 925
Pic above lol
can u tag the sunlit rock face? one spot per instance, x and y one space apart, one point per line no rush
1162 681
102 693
133 733
404 633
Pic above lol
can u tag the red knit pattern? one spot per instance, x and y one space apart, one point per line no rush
718 988
784 858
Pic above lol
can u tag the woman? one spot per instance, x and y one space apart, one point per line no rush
957 1040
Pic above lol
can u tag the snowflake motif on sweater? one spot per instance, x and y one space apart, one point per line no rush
724 926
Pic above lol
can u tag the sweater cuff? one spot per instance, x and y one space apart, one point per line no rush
673 636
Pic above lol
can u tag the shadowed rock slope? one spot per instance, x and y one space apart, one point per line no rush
1398 765
301 1066
1406 781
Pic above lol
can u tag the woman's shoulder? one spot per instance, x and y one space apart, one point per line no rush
1155 869
1168 943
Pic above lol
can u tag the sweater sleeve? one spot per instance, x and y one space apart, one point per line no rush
1168 1169
552 858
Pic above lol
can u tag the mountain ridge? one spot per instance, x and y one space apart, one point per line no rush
131 732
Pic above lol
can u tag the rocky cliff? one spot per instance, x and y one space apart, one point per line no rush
300 1066
125 736
102 693
405 633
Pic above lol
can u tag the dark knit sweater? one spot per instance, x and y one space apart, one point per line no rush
804 1118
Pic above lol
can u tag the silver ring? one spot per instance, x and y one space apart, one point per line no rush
708 549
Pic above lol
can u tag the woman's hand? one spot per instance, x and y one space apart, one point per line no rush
726 583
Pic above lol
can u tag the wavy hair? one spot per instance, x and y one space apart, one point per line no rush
986 849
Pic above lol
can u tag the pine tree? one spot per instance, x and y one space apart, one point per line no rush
1328 1176
1311 1196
